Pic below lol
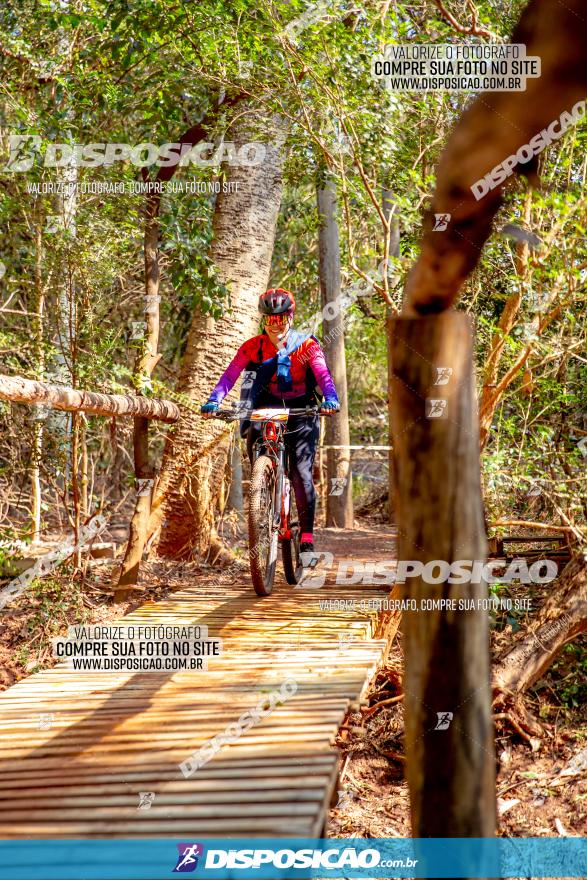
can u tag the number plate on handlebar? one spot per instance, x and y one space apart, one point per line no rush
275 415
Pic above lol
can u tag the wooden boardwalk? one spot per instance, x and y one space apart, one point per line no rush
115 735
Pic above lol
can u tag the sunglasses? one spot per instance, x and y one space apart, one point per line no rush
276 320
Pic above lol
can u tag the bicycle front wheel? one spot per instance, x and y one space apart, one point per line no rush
263 534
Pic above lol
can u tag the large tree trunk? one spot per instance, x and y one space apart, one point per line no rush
495 126
339 503
20 390
562 618
440 517
195 453
148 360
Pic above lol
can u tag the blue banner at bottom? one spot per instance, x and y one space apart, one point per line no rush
220 858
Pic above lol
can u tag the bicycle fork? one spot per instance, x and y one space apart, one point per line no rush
281 487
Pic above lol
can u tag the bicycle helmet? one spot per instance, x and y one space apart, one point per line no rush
277 301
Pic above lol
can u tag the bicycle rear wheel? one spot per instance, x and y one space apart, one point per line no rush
290 547
263 534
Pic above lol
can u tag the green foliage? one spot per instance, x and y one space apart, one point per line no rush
57 604
568 675
134 71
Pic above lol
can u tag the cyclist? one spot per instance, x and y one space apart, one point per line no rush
284 368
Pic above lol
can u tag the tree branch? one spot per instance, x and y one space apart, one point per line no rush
473 29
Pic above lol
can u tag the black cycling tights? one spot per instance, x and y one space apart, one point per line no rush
301 439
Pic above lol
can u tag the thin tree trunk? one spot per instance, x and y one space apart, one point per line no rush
39 423
194 459
117 459
59 397
61 368
339 505
75 488
84 498
390 250
146 363
35 478
489 397
235 493
449 734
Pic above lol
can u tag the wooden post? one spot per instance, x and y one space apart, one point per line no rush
449 736
389 329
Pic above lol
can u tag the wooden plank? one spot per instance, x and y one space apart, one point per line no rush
191 789
116 734
249 771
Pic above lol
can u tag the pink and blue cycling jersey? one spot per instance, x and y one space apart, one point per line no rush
308 355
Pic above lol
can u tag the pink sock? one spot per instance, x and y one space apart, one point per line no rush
307 538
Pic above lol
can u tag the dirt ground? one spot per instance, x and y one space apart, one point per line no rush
538 793
535 798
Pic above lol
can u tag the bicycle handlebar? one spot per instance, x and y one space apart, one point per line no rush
228 415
